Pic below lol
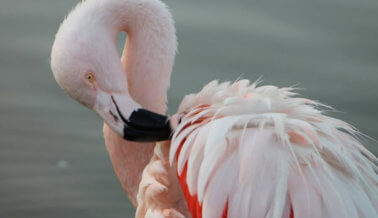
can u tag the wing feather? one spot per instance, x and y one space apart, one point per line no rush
263 152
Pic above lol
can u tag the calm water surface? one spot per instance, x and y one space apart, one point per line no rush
53 162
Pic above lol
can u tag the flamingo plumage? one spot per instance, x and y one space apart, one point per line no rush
232 150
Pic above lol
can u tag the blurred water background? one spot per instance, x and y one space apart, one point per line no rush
53 162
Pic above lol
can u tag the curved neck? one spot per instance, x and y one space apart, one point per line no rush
149 50
147 60
150 47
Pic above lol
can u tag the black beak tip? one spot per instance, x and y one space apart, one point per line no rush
146 135
147 126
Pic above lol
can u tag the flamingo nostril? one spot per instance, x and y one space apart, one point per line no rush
114 116
118 111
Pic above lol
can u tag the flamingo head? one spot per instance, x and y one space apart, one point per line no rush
89 70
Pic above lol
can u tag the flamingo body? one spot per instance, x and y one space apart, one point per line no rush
247 151
237 150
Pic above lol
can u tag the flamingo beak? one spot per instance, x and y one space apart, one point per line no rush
146 126
129 120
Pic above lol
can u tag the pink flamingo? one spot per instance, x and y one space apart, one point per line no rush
237 150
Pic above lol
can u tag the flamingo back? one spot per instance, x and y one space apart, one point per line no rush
247 151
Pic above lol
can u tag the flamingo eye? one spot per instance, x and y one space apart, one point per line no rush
90 77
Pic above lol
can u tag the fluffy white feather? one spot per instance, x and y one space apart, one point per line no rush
159 194
267 153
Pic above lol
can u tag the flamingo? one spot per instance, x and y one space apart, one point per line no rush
232 150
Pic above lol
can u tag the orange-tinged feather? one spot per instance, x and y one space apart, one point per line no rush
194 206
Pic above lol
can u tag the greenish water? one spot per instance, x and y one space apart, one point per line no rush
53 162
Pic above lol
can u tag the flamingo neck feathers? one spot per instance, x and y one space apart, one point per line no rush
149 53
147 59
149 50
